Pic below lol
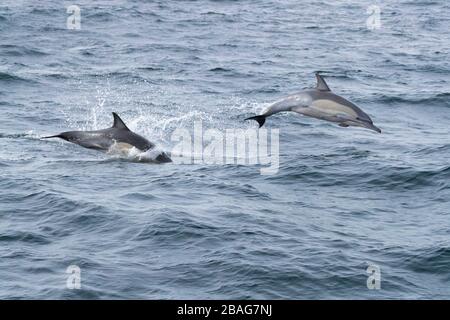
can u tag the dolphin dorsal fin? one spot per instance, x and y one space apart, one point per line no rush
118 123
321 84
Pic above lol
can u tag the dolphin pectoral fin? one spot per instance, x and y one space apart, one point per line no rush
260 119
344 117
94 146
305 111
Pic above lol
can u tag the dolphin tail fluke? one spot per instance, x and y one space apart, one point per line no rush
260 119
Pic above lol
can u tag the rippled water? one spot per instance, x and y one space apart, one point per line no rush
343 198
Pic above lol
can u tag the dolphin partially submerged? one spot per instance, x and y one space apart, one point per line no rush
320 103
104 140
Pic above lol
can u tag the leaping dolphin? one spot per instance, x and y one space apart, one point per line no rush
118 135
320 103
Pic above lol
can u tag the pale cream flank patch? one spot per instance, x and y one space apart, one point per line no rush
123 146
332 108
120 148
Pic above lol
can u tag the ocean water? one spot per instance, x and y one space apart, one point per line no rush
343 199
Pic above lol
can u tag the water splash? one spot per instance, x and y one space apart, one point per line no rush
125 151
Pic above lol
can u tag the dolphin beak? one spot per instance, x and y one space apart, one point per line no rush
372 127
163 158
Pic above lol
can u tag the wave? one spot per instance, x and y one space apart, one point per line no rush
151 68
440 99
432 260
9 77
20 51
101 16
27 237
386 177
175 226
219 69
26 135
408 178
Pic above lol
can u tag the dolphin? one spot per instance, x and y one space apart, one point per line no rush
118 135
320 103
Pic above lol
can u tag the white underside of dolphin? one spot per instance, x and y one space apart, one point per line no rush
320 103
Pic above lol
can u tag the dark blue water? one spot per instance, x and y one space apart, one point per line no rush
343 198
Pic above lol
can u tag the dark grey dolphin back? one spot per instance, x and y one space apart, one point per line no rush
105 138
89 139
120 133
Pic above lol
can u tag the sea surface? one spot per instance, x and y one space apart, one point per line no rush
343 201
